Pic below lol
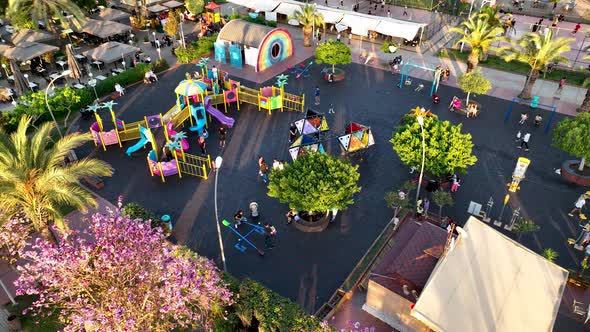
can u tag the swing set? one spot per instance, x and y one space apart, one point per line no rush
406 80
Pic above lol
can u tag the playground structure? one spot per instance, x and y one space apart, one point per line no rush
239 246
212 13
406 80
310 130
534 104
356 138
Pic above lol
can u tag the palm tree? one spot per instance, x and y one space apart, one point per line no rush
550 254
33 11
538 51
308 17
479 35
34 180
492 15
585 107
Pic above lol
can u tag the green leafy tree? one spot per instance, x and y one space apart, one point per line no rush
442 198
573 135
550 254
474 82
583 266
399 202
333 53
447 149
308 17
479 35
195 7
524 226
29 12
34 180
315 182
172 24
538 51
585 107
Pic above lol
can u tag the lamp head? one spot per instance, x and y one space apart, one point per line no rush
4 65
420 120
218 161
26 75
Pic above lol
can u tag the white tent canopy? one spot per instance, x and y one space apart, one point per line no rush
331 16
359 24
263 5
488 282
243 3
173 4
157 8
286 8
398 28
111 52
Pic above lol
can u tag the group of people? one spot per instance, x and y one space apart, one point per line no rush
269 230
163 42
524 116
443 73
150 77
263 167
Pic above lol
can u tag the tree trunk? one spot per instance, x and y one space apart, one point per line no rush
333 70
528 87
585 107
582 162
306 36
440 212
472 61
467 101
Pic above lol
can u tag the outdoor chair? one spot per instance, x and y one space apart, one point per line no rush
581 309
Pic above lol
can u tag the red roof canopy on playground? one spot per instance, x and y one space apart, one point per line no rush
212 6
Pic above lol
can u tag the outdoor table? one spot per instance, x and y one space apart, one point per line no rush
79 86
61 63
54 76
101 78
79 57
118 70
97 63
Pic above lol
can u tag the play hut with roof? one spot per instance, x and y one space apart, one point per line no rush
242 43
311 131
357 138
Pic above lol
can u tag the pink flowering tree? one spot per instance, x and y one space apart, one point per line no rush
14 234
122 275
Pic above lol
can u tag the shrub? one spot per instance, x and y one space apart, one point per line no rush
125 78
136 211
385 46
161 65
443 53
196 49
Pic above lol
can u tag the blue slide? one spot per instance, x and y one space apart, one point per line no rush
200 122
145 134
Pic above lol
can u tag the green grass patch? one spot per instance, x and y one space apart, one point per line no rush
373 251
493 61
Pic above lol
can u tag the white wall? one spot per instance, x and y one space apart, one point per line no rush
250 56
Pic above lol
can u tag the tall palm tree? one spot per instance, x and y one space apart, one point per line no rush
308 17
538 51
33 11
492 15
33 178
585 107
479 35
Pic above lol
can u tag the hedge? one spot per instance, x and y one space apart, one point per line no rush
196 50
136 211
67 99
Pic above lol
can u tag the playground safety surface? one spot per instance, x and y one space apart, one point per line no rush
309 267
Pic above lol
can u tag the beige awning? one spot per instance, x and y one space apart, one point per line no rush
288 9
173 4
104 29
110 52
239 2
489 282
157 8
28 35
28 50
110 14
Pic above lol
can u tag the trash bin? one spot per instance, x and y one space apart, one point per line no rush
168 220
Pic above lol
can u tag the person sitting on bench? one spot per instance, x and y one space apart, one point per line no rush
455 104
538 119
472 110
150 77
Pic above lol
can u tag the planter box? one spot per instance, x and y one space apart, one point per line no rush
312 226
570 175
338 75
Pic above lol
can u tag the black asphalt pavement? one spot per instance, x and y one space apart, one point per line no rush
309 267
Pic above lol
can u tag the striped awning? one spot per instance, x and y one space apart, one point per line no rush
190 88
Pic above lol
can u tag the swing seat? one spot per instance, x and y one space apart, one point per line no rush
408 82
240 247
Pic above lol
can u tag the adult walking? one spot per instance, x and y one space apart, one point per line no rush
578 206
263 172
525 142
269 233
317 95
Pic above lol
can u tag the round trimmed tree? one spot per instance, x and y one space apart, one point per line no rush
315 183
474 82
447 149
573 136
333 53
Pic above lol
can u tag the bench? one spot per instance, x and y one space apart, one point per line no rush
463 111
95 182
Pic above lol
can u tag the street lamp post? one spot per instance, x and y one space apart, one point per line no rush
64 73
182 31
218 162
159 53
28 82
154 34
92 83
313 22
5 70
421 123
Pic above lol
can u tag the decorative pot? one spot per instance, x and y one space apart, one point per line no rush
569 171
307 225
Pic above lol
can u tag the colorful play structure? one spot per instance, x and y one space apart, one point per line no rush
406 80
246 43
356 138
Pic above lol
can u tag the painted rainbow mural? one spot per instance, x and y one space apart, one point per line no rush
276 46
